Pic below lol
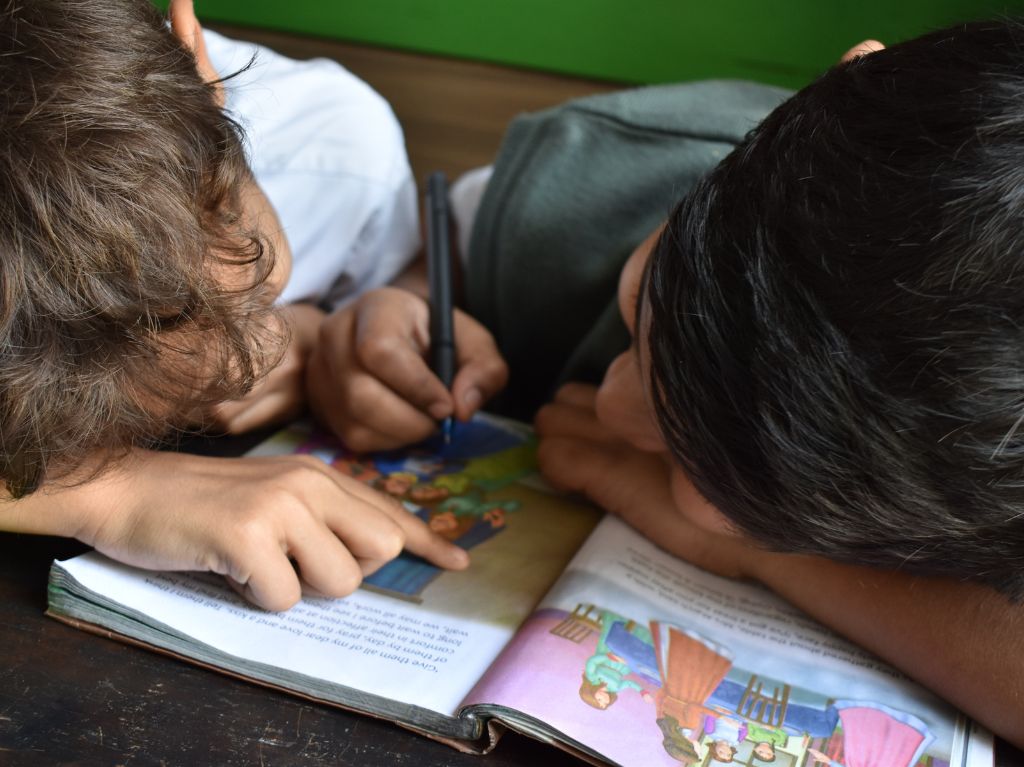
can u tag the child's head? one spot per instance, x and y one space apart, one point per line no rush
134 276
596 694
835 316
723 751
397 483
764 751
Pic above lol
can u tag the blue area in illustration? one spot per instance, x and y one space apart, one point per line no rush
470 440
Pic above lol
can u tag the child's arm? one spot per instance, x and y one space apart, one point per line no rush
280 396
248 519
962 640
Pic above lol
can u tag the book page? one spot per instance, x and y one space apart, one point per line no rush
414 634
651 661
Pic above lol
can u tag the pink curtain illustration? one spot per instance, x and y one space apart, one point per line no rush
875 735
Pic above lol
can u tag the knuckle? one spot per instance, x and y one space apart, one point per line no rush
389 543
284 490
378 350
555 460
252 530
569 391
297 472
361 392
497 370
545 456
543 420
345 580
284 597
305 462
221 416
229 426
358 439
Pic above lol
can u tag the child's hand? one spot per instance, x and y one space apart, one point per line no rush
280 396
861 49
577 453
272 526
368 379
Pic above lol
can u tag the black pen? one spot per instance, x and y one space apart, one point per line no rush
439 279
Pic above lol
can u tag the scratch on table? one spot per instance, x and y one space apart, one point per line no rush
109 685
346 747
274 737
316 745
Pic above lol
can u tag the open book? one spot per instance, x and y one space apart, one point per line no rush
567 627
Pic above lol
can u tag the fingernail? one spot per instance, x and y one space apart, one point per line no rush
439 410
460 557
473 397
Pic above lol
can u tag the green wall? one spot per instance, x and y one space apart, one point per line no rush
783 41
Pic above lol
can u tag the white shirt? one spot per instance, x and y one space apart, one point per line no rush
330 155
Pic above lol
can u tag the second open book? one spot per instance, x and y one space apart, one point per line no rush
568 627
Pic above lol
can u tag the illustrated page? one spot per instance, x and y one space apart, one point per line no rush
414 633
650 661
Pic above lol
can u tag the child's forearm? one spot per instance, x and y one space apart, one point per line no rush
246 518
69 508
280 396
962 640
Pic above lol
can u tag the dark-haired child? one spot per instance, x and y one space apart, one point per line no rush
140 265
824 390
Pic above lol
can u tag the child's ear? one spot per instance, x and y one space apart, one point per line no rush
187 29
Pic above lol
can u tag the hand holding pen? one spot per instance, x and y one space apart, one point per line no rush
371 379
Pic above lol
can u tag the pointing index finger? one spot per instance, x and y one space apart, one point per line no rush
419 538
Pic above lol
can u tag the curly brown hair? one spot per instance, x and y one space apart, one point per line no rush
120 183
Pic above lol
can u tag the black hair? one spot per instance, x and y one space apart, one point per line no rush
837 315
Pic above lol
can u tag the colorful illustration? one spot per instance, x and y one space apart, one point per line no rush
449 486
623 647
691 667
660 693
466 521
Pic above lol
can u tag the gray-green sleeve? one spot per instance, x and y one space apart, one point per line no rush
575 189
